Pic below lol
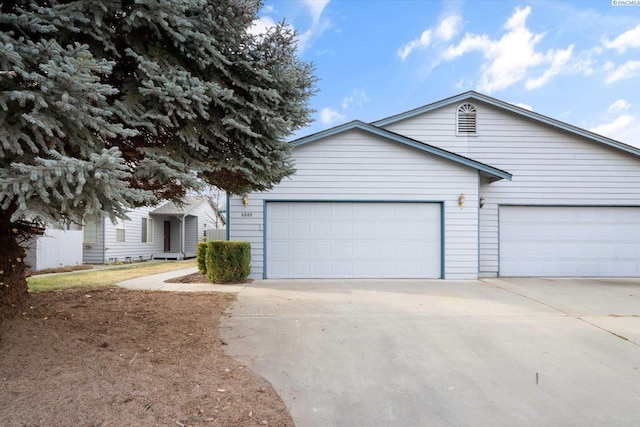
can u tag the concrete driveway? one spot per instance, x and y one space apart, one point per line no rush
497 352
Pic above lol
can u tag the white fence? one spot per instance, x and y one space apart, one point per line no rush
216 234
56 248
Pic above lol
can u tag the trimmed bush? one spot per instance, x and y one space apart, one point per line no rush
228 261
201 257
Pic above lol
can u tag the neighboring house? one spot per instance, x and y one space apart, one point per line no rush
57 247
169 231
466 187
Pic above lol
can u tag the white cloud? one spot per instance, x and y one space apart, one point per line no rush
447 28
626 40
329 116
522 105
559 59
319 24
624 128
261 25
420 43
619 105
316 7
511 58
625 71
462 83
357 97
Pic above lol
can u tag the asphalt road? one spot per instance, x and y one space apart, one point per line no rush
498 352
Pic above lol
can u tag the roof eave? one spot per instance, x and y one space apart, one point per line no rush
514 109
356 124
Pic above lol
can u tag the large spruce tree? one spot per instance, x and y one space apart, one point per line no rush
110 104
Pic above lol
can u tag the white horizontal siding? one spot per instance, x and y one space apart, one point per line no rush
133 246
549 166
201 217
357 166
55 248
93 252
437 128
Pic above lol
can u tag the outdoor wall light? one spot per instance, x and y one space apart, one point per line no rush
461 200
245 199
482 201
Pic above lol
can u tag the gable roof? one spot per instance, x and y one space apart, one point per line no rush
189 204
490 171
472 95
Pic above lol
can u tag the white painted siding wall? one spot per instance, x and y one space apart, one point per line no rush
191 235
206 218
216 234
133 246
356 166
549 166
438 128
93 252
56 248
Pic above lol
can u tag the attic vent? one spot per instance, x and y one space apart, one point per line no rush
466 120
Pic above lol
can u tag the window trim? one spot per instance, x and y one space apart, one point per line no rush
121 225
93 219
147 230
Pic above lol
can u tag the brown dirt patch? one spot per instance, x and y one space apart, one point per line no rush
200 278
113 357
190 278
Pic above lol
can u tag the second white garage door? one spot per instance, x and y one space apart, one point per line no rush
569 241
353 240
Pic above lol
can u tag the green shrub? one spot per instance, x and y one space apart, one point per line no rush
201 257
228 261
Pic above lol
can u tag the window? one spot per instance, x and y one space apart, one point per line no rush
147 230
467 124
120 230
90 229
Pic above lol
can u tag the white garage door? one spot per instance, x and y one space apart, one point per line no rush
359 240
570 241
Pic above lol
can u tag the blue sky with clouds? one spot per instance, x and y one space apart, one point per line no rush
576 61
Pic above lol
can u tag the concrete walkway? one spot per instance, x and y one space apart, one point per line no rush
444 353
156 282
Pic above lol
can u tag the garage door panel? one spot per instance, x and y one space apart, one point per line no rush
359 239
279 229
320 229
343 230
342 249
301 211
281 247
569 241
365 228
319 249
300 230
301 248
365 248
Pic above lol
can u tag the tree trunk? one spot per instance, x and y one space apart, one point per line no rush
14 293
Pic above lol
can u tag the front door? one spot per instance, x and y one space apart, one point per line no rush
167 236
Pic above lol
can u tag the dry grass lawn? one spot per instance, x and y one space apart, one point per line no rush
104 277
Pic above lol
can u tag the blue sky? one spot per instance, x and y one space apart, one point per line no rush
576 61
